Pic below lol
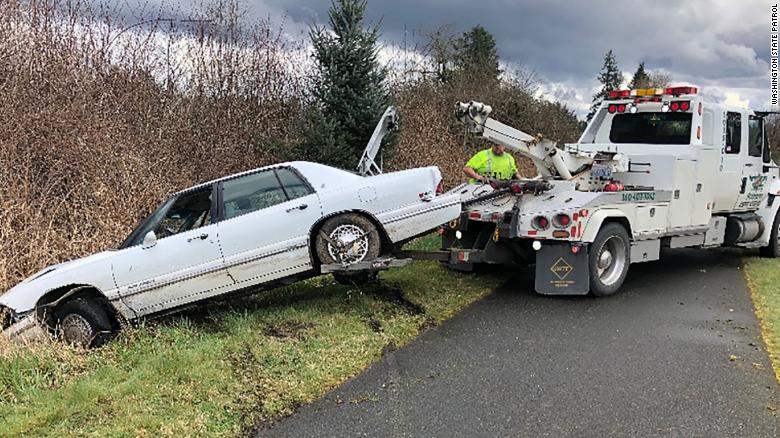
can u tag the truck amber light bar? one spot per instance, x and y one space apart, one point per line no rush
651 92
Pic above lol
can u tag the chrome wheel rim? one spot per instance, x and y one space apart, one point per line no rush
352 244
76 330
611 260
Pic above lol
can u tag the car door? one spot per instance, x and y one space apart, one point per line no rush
265 225
184 265
753 182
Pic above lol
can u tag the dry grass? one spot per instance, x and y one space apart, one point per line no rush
98 123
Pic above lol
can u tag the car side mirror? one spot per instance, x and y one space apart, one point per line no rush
150 239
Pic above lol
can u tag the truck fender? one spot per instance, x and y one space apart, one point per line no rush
597 218
767 212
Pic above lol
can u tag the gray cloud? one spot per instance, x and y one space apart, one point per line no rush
721 44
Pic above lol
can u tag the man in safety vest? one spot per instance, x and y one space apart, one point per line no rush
493 163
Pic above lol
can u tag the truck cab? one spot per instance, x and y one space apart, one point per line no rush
655 167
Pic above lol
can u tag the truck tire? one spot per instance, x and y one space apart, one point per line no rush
773 249
608 259
345 228
81 323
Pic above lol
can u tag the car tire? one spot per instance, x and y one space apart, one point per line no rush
773 249
608 259
81 323
346 228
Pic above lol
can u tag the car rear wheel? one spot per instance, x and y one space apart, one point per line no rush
608 260
347 239
81 323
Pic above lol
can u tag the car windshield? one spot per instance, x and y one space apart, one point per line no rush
651 128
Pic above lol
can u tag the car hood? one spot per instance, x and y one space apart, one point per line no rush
24 295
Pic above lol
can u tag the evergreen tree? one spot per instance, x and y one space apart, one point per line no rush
476 55
640 79
349 93
610 78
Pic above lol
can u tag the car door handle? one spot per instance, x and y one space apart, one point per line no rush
201 237
300 207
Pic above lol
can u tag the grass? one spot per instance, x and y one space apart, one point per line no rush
763 275
223 371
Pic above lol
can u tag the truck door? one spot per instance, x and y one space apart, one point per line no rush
753 182
729 180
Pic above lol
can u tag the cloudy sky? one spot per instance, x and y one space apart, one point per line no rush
720 45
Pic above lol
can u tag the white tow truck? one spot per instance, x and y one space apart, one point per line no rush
654 168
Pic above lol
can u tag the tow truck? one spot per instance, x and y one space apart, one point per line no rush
655 168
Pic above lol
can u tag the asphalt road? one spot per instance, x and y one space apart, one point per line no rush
677 353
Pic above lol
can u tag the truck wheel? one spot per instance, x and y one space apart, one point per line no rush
608 260
773 249
361 240
78 322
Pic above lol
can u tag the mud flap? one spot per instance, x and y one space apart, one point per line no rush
560 271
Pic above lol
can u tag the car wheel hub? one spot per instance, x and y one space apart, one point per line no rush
76 330
352 244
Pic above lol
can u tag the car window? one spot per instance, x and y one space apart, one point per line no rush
755 136
293 184
733 133
251 193
148 224
191 210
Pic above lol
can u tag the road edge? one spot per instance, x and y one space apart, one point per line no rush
759 306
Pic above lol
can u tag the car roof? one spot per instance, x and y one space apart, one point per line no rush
298 165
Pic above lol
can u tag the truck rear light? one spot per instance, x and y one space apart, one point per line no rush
685 106
575 249
676 91
674 106
560 234
541 223
619 94
612 109
475 216
621 108
561 220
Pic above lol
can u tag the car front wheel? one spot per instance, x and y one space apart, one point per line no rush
81 323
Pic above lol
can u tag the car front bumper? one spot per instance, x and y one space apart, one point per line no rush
25 328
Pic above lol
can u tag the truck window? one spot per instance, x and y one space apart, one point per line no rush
651 128
767 149
733 132
755 136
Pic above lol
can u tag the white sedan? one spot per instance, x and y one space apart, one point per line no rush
264 227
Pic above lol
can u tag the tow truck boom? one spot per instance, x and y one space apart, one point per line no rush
550 161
